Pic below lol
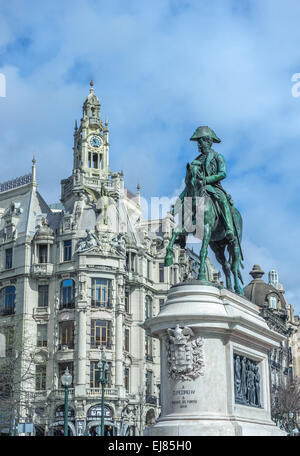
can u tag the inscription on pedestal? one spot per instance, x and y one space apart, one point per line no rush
184 397
246 381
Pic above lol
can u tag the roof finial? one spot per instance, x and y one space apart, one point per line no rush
92 86
33 173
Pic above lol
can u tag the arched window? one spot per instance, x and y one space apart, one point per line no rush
150 417
7 300
67 289
148 307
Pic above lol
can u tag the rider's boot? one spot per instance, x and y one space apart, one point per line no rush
229 234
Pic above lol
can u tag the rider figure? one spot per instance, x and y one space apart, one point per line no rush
213 167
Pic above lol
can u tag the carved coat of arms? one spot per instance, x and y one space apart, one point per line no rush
185 354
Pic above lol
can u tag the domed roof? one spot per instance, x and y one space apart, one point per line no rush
92 98
44 232
259 291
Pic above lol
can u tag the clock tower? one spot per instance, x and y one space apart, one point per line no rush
91 173
91 148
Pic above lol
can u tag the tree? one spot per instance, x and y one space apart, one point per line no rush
16 370
286 405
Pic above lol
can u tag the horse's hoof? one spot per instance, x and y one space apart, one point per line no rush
168 260
202 276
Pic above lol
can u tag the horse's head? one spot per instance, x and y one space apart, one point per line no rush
193 179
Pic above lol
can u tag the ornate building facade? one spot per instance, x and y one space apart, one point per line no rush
279 315
74 278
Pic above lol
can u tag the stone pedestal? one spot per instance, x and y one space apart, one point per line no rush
214 364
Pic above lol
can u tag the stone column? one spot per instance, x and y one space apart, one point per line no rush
81 351
119 349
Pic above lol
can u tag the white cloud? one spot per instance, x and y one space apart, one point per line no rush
160 70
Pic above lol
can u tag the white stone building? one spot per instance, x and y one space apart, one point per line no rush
75 277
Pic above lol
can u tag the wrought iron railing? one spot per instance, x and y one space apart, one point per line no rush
108 392
14 183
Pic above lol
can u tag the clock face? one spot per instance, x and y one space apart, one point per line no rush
95 141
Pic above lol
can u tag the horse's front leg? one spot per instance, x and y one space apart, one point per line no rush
235 270
169 254
204 251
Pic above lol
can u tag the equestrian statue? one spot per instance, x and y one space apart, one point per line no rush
221 222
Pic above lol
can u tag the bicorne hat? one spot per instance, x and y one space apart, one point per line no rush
202 132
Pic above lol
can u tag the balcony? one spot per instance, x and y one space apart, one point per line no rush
7 311
41 395
66 347
41 311
60 393
67 305
42 270
108 392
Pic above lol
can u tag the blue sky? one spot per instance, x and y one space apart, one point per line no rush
161 69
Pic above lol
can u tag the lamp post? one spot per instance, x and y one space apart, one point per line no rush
66 380
103 373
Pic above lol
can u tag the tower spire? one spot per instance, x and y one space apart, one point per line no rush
33 173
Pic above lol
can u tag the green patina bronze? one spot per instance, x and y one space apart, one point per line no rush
222 222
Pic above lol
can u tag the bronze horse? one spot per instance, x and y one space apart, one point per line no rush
213 230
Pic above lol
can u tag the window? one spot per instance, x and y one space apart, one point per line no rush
133 260
101 293
127 340
62 369
40 377
95 161
148 269
7 300
100 333
41 336
66 334
67 294
161 272
43 296
43 253
9 340
149 353
8 258
148 307
68 250
149 379
95 375
273 302
127 307
175 275
126 378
